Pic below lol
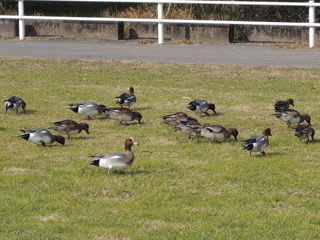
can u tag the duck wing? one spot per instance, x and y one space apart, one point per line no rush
214 128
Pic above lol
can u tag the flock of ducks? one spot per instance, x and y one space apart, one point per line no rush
179 121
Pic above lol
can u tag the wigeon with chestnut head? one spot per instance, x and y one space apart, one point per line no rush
258 143
116 161
127 99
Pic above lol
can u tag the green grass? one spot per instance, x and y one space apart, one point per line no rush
177 188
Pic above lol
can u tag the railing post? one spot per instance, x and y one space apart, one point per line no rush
311 29
21 21
160 25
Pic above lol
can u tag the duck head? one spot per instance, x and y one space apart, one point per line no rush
137 116
84 126
290 101
306 118
128 143
234 132
212 107
131 90
59 139
267 132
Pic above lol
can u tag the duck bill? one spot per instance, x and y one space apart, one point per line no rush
135 143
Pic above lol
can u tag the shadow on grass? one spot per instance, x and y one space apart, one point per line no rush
80 138
129 172
259 155
141 108
212 115
54 145
315 141
132 123
29 111
2 129
141 171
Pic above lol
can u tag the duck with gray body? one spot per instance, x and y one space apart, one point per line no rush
258 143
127 99
305 132
88 109
14 102
123 114
116 161
41 136
201 106
283 105
293 117
218 133
69 127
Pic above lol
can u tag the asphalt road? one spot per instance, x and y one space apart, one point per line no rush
230 54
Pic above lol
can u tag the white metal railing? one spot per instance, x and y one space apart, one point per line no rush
312 25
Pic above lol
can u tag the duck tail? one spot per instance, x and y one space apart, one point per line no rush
191 107
74 108
25 136
248 147
95 162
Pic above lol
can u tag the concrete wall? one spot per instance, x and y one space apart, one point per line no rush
178 32
173 32
8 28
78 30
277 34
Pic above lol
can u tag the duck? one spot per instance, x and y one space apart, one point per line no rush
258 143
305 132
87 109
127 99
192 130
14 102
70 127
291 116
116 161
177 118
123 114
217 132
201 106
41 136
283 105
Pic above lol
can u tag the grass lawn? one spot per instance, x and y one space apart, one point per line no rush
176 188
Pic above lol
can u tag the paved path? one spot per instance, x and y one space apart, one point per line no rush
230 54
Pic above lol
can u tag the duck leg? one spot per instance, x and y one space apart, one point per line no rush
263 153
